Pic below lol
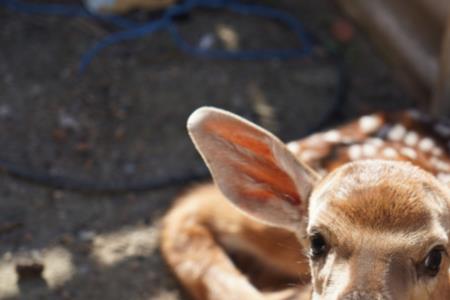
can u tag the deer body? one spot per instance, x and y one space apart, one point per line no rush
359 212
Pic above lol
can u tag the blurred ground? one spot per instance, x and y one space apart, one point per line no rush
124 120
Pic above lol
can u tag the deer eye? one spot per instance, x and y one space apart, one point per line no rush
432 262
319 246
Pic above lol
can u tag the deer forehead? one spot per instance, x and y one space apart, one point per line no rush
380 196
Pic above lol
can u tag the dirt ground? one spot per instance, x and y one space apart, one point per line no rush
123 120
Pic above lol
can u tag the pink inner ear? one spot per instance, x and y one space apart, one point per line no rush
271 182
266 180
245 137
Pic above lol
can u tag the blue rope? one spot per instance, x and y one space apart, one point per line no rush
129 29
245 9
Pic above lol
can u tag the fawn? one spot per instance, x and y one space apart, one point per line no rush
363 210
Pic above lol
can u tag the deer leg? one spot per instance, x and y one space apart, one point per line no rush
192 237
201 264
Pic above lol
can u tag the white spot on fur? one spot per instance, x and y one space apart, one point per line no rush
440 164
355 152
332 136
369 150
370 123
411 138
397 133
426 144
409 152
294 147
377 142
315 140
308 155
390 152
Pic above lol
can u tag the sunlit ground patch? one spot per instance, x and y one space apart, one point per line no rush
8 279
56 261
165 295
112 248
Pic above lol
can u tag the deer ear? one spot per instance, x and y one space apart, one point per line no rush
252 167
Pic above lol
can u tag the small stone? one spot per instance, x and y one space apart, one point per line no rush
36 90
119 134
83 147
57 195
28 237
59 135
5 111
129 168
86 235
342 30
84 269
228 36
119 113
207 41
67 239
29 270
68 122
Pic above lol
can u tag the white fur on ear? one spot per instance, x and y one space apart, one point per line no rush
195 119
252 167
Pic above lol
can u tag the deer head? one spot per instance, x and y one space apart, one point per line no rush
372 229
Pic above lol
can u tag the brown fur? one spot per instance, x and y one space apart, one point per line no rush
202 217
380 218
376 203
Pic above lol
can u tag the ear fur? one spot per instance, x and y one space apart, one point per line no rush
252 167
